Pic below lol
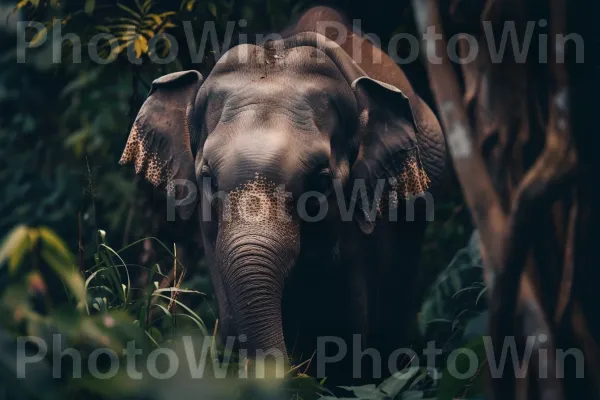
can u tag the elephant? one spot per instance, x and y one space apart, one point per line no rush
270 123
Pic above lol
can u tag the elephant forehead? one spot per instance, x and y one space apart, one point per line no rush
310 106
301 79
267 100
254 60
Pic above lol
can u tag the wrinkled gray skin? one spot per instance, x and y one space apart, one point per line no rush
298 112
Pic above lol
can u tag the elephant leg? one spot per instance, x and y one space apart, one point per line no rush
323 308
394 292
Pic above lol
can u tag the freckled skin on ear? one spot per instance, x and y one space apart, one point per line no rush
159 142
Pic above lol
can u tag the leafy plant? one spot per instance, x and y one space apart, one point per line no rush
456 300
42 244
136 27
411 383
453 386
100 310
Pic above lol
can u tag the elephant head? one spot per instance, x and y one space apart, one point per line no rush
270 123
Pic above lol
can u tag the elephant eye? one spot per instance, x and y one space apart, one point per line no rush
209 183
322 181
206 172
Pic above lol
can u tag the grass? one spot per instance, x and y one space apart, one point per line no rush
43 292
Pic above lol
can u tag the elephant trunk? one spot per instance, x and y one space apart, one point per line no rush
254 268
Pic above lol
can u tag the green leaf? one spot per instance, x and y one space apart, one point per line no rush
125 287
146 6
397 382
191 313
14 247
177 290
52 241
87 283
190 5
68 274
454 298
89 6
164 309
38 37
130 11
452 386
367 392
22 4
212 9
56 254
139 6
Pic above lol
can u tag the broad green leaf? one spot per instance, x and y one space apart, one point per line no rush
56 254
397 382
52 241
366 392
11 244
452 386
413 395
19 254
454 298
15 246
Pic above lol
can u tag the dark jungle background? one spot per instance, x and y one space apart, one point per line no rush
83 245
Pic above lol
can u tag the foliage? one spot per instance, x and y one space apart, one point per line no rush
453 313
409 384
456 300
62 129
99 312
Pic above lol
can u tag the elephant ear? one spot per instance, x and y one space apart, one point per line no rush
159 144
393 136
400 141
